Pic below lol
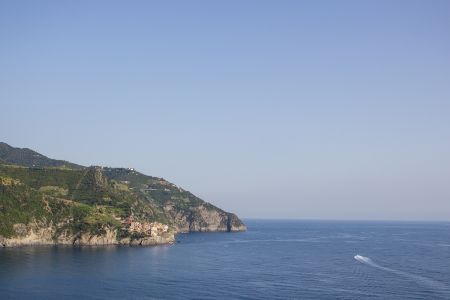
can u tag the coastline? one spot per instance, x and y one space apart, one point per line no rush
46 237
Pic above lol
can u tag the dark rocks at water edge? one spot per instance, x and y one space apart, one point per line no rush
45 201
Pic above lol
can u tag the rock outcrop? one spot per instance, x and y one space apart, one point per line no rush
40 234
204 219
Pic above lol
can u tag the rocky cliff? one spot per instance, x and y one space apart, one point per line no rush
203 219
96 205
48 234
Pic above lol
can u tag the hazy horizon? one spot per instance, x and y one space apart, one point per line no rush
282 110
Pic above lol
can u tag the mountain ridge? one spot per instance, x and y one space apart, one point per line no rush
29 158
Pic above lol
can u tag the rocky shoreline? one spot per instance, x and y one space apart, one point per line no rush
137 234
33 234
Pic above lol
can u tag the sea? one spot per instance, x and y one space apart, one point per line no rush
273 260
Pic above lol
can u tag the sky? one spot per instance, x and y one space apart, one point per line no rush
269 109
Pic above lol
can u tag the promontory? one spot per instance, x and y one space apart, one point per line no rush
45 201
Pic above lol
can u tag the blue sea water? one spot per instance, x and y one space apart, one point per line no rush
273 260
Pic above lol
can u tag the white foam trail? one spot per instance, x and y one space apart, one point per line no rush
363 259
417 278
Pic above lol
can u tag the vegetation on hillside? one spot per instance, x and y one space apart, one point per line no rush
29 158
86 199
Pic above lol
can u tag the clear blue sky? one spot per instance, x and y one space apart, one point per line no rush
280 109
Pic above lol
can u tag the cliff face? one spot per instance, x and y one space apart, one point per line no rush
98 206
203 219
48 234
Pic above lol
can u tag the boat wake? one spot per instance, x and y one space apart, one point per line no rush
364 260
435 285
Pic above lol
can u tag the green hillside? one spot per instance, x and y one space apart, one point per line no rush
94 199
29 158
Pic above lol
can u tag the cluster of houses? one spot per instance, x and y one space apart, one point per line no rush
150 228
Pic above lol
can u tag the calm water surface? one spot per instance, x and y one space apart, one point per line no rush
273 260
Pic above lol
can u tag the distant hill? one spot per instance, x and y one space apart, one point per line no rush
47 201
29 158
